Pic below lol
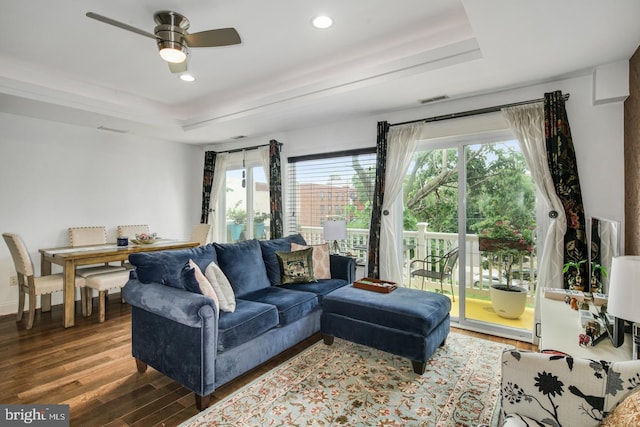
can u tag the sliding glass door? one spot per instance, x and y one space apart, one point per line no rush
459 193
500 223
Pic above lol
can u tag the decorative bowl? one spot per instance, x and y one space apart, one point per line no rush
145 239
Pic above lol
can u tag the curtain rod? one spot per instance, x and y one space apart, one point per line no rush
238 150
475 112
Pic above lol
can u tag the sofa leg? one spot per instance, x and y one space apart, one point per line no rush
418 367
328 339
142 366
202 402
444 341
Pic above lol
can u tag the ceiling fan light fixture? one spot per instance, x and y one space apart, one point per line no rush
172 51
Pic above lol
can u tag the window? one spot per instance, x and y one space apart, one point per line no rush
346 178
246 202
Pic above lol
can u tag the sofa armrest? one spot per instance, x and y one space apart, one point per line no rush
181 306
343 267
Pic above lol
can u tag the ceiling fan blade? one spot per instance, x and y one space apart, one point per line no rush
119 24
213 38
178 68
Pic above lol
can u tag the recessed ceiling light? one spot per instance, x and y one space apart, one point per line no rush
322 22
187 77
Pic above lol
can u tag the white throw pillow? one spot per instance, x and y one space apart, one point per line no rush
222 287
205 286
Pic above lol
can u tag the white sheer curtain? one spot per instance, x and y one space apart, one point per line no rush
265 158
219 173
527 123
401 143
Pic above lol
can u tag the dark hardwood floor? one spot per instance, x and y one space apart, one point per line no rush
90 368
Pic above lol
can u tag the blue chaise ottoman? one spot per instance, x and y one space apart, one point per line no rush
406 322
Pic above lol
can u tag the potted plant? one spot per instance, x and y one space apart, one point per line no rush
572 270
503 243
598 272
258 224
237 217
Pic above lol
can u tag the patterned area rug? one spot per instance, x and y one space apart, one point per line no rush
348 384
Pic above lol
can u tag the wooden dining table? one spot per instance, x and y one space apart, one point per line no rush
71 257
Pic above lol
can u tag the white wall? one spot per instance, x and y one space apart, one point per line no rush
54 176
597 132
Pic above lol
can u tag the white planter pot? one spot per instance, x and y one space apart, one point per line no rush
508 304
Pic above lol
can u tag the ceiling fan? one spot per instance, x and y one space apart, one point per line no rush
172 38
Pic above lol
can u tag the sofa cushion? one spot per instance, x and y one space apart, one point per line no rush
296 267
320 288
292 305
269 248
165 267
249 320
243 265
321 264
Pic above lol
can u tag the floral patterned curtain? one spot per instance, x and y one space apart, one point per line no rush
373 264
275 190
207 180
561 156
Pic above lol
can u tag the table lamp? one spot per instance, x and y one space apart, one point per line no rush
624 294
335 230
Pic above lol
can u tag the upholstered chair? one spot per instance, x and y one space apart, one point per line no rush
87 236
200 233
130 231
29 284
102 283
555 390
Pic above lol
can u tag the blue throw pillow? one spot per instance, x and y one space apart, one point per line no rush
269 249
243 266
165 267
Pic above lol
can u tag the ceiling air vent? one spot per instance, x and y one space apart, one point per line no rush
104 128
434 99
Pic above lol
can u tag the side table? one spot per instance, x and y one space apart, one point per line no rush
560 329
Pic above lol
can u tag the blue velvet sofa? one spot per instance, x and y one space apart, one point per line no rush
182 334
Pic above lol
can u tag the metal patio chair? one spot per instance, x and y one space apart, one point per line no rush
436 268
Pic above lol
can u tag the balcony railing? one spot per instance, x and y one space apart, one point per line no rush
422 243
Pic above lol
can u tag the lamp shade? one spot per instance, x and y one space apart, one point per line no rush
335 230
624 288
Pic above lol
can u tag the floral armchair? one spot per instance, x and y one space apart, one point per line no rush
550 390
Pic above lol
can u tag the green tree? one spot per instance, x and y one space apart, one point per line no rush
498 186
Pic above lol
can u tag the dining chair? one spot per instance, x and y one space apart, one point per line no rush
102 283
30 285
86 236
130 231
200 233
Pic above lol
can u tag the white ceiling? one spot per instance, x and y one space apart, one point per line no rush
380 55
